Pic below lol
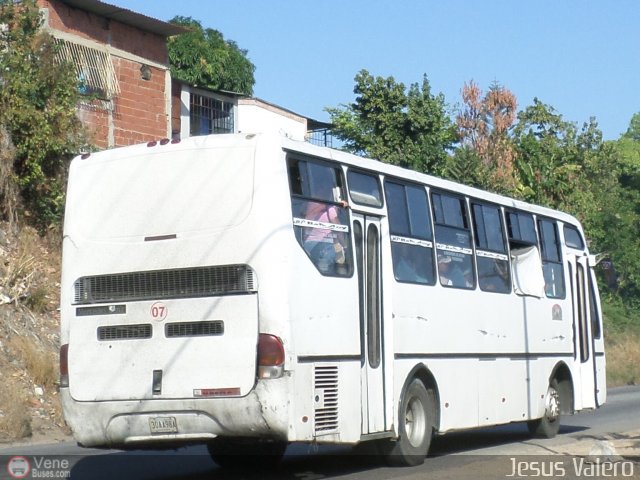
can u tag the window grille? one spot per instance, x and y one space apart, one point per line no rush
321 137
210 115
96 75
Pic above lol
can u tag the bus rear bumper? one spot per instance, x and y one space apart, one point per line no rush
171 423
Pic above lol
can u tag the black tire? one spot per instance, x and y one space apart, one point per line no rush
415 427
234 453
549 425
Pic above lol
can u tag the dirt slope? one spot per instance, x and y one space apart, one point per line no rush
29 337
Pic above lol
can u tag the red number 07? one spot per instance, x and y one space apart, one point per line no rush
158 311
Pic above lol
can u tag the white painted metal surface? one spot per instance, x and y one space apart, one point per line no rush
224 200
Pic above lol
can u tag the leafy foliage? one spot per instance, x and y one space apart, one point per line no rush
403 127
37 115
202 57
535 156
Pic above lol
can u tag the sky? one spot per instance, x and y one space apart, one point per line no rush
580 57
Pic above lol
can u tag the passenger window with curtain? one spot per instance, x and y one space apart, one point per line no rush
453 241
364 189
492 260
551 259
411 233
320 219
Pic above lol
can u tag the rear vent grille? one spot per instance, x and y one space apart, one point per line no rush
124 332
165 284
194 329
326 399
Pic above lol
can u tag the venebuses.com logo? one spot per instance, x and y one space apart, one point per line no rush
18 467
38 467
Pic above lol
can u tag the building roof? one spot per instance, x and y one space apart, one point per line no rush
128 17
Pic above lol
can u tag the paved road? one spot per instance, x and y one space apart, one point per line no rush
483 453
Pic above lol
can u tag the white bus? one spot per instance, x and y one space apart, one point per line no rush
248 291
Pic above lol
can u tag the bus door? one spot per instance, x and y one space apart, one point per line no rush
595 312
366 231
583 323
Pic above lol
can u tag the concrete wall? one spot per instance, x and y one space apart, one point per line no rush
255 116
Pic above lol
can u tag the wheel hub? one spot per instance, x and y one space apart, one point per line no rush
552 405
415 422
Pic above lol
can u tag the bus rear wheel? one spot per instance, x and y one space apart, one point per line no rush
549 425
415 428
235 453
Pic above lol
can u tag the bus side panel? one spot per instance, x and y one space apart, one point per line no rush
327 403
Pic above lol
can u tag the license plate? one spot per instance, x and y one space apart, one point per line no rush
163 425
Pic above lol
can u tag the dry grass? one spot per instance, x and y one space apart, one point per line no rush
29 272
623 358
29 333
39 365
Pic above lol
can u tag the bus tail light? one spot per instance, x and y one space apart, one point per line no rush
64 365
270 356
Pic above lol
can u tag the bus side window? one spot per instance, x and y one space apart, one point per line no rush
320 221
453 242
364 189
572 237
551 259
521 230
411 233
491 249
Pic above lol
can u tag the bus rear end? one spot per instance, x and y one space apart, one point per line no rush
160 327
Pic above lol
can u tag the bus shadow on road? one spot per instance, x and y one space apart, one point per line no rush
302 462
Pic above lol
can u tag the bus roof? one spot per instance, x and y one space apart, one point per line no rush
411 175
345 158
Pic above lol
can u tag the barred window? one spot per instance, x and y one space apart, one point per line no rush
210 115
94 69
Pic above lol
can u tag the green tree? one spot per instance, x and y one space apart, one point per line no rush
627 240
37 116
202 57
574 170
546 162
633 132
406 127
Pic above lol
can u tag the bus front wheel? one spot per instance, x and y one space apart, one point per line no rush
415 428
549 425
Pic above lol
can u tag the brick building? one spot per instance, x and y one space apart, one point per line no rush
122 64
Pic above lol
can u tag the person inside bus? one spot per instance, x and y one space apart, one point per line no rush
324 244
406 267
449 273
